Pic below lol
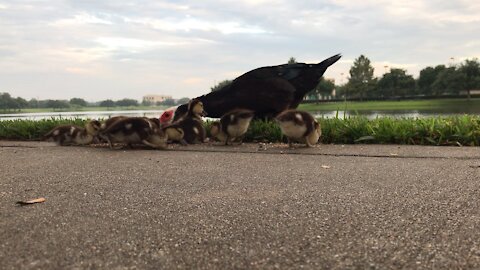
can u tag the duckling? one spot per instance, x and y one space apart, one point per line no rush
216 132
74 135
107 123
112 120
189 129
232 125
175 134
299 126
135 130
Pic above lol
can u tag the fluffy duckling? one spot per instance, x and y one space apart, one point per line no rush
74 135
136 130
189 129
107 123
111 120
175 134
232 125
299 126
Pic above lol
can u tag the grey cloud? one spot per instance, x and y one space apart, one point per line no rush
159 44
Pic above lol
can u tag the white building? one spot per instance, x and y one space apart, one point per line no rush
155 98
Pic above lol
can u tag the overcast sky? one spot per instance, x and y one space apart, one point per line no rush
113 49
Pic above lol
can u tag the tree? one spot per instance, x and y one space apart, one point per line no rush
127 102
78 102
33 103
147 103
183 100
471 71
323 88
220 85
396 83
57 104
426 79
107 103
22 103
292 60
361 77
449 81
167 102
5 101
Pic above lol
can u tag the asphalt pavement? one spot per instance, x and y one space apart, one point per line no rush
251 206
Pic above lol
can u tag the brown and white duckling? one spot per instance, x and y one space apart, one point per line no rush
111 120
74 135
299 126
232 125
135 130
107 123
189 129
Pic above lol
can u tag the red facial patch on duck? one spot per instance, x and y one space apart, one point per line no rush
167 116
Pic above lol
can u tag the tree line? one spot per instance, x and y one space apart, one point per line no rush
9 103
396 83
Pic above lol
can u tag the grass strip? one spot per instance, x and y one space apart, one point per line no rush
454 130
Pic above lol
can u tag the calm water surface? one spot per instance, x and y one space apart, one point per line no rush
82 115
393 114
157 113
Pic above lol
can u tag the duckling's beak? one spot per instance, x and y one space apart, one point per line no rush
204 113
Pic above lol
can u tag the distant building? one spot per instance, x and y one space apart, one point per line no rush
472 92
155 98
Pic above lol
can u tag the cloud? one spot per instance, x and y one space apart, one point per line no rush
189 24
81 19
114 49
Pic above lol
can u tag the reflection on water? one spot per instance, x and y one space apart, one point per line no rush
157 113
393 114
81 115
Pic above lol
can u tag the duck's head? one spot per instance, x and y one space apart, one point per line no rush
168 116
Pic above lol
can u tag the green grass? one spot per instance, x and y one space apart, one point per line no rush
32 130
431 104
456 130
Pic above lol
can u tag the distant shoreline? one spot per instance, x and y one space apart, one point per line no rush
403 105
86 109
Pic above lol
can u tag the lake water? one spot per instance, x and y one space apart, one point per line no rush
82 115
393 114
157 113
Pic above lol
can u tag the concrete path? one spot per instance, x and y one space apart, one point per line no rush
244 207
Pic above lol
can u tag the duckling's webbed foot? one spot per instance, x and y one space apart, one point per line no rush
290 143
